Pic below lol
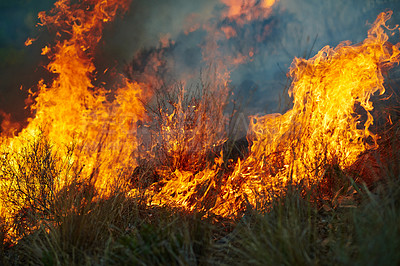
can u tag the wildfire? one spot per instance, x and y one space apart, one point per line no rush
322 128
248 10
101 125
71 112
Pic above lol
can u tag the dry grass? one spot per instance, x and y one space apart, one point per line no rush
75 227
350 217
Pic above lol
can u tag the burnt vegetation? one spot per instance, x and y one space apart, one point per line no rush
351 216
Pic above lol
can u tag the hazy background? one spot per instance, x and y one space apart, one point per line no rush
294 28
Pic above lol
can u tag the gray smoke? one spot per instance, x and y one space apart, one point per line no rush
295 28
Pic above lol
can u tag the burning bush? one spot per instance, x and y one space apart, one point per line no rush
89 156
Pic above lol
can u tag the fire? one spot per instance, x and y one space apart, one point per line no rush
98 127
248 10
71 110
29 41
321 129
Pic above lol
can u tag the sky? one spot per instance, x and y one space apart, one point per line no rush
178 29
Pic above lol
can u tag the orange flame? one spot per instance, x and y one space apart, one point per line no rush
322 127
71 111
248 10
29 41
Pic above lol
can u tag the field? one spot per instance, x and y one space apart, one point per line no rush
358 225
144 171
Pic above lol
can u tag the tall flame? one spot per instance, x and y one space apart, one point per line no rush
71 110
322 128
98 125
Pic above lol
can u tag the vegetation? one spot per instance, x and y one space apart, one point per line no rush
358 225
181 190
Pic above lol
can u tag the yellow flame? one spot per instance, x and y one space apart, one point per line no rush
71 111
322 128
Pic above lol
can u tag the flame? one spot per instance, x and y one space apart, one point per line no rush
8 127
233 24
322 128
248 10
73 113
29 41
71 110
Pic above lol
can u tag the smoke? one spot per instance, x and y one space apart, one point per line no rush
19 65
171 39
177 31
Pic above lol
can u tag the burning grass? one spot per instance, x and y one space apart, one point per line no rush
341 220
143 175
75 226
